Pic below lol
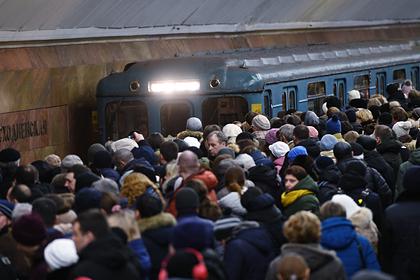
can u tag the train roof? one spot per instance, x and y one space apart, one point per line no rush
23 20
250 70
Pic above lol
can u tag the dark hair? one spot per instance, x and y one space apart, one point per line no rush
27 175
209 129
155 140
297 171
93 220
383 132
46 209
301 132
62 206
169 150
249 116
22 193
399 114
108 200
331 209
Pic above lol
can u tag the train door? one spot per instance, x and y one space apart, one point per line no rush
173 117
289 98
268 110
381 83
362 84
339 90
415 77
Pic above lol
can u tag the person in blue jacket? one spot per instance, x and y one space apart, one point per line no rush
338 234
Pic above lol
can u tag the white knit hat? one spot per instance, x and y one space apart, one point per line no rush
245 160
354 94
124 143
347 202
192 141
401 128
231 130
60 253
279 149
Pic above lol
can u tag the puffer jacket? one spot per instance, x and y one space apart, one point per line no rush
354 250
413 160
301 197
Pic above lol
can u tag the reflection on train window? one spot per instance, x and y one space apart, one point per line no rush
224 110
284 101
399 75
415 77
361 83
316 95
123 117
292 98
381 83
173 117
339 89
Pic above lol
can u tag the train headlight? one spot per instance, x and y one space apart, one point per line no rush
174 86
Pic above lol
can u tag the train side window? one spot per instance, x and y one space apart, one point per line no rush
292 98
284 101
316 94
224 110
362 83
415 77
123 117
339 89
398 75
380 83
173 117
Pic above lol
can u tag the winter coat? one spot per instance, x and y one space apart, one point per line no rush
156 232
324 264
109 173
374 179
106 258
391 151
232 201
145 151
327 184
267 180
374 160
248 253
400 243
354 250
140 251
301 197
413 160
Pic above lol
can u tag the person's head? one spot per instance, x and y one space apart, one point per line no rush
188 163
186 201
29 232
106 185
382 133
20 194
399 114
147 206
46 209
60 253
70 181
285 133
342 150
300 132
134 185
364 115
184 264
351 136
294 174
155 140
199 187
194 124
108 202
331 209
9 158
27 175
6 210
260 123
292 267
126 221
235 179
121 157
216 140
168 151
88 227
302 227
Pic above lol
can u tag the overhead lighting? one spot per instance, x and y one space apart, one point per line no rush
174 86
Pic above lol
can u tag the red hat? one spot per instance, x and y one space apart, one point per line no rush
29 230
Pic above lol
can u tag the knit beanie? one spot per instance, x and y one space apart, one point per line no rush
354 94
328 142
29 230
61 253
401 128
245 161
194 124
192 234
385 118
70 160
367 142
148 205
323 162
311 118
231 130
279 149
9 155
6 208
223 228
93 149
261 122
296 151
102 159
87 198
271 136
351 115
313 132
244 136
333 125
186 199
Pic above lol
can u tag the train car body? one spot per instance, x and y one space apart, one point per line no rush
159 95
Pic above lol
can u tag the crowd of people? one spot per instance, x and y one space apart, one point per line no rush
299 196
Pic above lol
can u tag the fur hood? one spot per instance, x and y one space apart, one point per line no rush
157 221
362 220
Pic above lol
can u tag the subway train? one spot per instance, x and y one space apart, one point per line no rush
221 87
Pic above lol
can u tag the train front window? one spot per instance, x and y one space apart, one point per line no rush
316 94
224 110
398 75
125 116
173 117
362 83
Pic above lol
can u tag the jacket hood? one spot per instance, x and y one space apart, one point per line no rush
208 178
107 251
330 174
307 183
389 146
252 233
415 157
157 221
337 233
315 256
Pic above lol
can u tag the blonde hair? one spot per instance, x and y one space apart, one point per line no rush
126 221
351 136
302 227
292 267
134 185
364 115
374 102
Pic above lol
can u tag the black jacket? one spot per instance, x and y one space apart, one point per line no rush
375 160
391 152
327 184
107 258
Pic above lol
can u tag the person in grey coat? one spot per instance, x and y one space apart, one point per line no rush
303 230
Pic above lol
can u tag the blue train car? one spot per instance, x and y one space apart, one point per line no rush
159 95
